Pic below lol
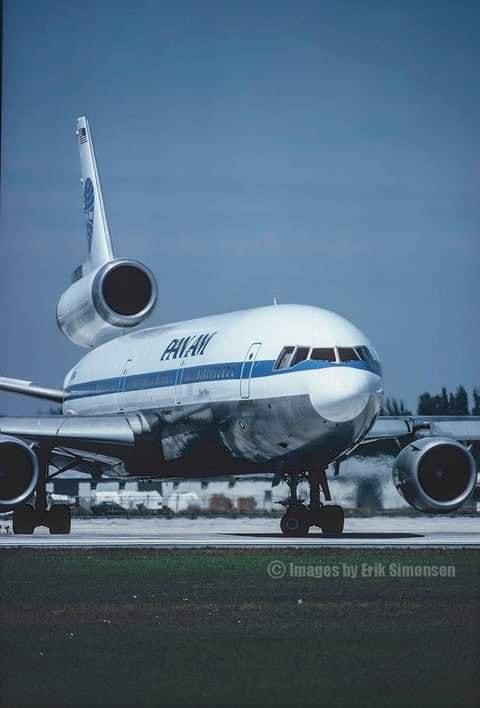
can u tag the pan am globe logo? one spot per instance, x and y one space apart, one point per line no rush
88 207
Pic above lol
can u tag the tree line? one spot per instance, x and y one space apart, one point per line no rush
443 403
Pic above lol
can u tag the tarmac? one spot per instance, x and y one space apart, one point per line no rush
361 532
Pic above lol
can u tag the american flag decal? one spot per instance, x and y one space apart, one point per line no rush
82 135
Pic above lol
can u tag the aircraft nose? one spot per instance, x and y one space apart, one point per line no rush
342 393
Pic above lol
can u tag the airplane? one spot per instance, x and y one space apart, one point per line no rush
285 390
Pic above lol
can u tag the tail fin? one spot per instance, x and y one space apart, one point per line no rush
99 244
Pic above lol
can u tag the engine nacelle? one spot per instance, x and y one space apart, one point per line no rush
107 301
435 475
18 472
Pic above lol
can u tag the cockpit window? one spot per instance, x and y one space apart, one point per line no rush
290 356
348 354
301 353
367 355
322 354
363 353
283 361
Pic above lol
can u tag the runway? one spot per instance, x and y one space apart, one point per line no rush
365 532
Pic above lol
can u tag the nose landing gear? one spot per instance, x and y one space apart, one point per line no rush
296 521
298 517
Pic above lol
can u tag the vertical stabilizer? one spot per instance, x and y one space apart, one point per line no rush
107 296
98 237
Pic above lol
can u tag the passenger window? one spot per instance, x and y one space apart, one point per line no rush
283 360
348 354
301 353
323 354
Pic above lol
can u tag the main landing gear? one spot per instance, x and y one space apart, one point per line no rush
27 517
298 517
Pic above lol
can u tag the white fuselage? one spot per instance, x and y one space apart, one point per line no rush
221 377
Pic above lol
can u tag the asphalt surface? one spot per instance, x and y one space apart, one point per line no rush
379 532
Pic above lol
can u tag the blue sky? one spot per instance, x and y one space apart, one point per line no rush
323 152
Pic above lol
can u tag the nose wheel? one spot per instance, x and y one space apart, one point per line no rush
296 521
331 519
298 517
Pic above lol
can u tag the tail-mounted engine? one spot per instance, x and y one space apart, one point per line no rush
18 472
435 475
108 295
107 301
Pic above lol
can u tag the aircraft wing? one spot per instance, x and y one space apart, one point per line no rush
111 435
466 428
28 388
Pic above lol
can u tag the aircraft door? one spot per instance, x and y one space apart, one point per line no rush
247 368
123 384
178 384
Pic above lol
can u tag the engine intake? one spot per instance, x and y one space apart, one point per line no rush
18 472
435 475
116 296
124 293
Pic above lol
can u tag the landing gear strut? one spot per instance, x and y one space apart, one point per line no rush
298 517
27 517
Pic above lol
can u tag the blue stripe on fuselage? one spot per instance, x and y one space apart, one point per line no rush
197 374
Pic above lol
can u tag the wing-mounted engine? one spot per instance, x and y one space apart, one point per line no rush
435 475
18 472
106 302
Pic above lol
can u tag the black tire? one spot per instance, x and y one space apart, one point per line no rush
296 522
24 519
332 520
59 519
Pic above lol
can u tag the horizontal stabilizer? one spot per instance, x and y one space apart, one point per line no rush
28 388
